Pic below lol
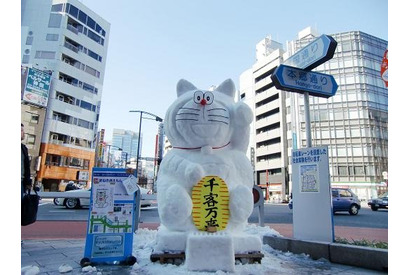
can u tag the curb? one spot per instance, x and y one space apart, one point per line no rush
365 257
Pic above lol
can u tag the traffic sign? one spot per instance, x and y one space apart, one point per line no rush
300 81
315 53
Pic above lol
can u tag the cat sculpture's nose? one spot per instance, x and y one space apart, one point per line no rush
203 102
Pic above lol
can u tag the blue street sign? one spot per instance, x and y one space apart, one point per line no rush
300 81
315 53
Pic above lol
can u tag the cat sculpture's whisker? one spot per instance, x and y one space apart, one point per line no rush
180 119
186 108
180 114
217 109
221 116
214 120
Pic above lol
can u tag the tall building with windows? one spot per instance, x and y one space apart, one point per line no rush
353 123
70 40
126 140
267 146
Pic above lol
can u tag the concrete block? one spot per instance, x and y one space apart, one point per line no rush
366 257
278 243
315 250
353 255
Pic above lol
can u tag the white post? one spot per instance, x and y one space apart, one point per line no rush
307 121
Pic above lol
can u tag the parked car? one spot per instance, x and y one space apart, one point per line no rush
72 203
79 202
343 199
380 202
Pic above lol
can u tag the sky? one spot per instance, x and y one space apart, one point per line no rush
153 44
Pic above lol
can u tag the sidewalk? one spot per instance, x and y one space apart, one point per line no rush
48 254
77 229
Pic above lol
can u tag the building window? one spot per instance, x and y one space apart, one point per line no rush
61 117
342 171
31 117
52 37
53 160
55 20
30 139
26 59
57 8
45 55
34 118
359 171
29 40
65 98
63 161
56 138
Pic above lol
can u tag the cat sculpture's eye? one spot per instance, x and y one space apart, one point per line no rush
198 96
203 98
209 97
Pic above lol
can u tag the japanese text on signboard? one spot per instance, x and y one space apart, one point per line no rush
210 199
306 156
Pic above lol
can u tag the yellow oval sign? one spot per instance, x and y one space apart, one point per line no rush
210 204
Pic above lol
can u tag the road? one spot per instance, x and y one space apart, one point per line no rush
280 213
56 222
274 214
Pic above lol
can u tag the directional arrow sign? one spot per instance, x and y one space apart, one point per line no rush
300 81
315 53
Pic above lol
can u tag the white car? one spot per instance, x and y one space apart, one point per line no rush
83 199
71 203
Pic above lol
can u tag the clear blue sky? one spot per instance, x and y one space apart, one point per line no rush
153 44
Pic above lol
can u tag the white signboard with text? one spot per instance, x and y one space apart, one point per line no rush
311 195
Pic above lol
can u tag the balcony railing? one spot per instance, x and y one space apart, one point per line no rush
71 46
72 28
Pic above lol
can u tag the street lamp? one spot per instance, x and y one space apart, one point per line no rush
153 117
109 149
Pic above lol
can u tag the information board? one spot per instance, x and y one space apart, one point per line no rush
311 195
112 215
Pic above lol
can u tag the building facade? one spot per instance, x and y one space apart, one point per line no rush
70 40
128 142
353 123
268 148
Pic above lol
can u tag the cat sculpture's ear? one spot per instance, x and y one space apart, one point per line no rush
184 86
227 87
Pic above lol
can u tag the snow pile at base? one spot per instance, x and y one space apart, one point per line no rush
272 262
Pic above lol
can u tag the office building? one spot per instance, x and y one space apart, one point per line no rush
68 39
353 123
126 140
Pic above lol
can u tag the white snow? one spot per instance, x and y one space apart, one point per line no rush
216 248
273 262
64 268
145 242
209 133
30 270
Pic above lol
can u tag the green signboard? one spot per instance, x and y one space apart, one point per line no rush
37 87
